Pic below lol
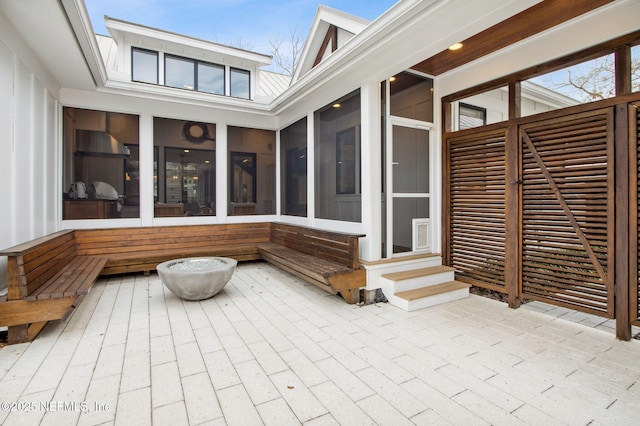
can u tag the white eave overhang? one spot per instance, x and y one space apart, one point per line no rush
186 97
178 44
83 30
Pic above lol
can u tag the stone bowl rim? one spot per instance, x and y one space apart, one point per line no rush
167 264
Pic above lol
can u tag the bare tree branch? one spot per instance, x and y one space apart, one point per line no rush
286 53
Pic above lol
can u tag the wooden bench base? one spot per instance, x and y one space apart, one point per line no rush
327 275
50 275
142 249
45 280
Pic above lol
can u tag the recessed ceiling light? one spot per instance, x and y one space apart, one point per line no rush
336 105
455 46
392 79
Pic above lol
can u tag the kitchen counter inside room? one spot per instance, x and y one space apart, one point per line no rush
90 209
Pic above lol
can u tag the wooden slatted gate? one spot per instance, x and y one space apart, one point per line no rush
567 202
529 209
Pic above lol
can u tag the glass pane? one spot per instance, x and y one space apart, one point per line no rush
211 78
101 165
471 116
145 66
186 177
410 160
239 83
293 145
493 104
412 96
252 171
346 162
179 73
404 210
337 160
585 82
190 182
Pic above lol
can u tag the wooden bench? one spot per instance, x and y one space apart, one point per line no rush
330 260
45 280
142 249
49 275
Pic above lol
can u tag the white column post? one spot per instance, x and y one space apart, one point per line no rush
222 174
371 170
146 169
311 175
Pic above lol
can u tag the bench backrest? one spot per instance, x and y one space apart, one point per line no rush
337 247
33 263
104 242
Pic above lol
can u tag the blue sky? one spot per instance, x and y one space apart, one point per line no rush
243 23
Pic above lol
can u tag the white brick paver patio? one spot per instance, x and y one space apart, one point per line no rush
272 350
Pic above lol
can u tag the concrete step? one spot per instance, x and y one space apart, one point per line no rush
418 278
432 295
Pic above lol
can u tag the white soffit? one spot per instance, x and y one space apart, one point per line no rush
44 26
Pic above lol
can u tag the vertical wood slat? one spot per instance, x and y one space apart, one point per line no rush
513 219
622 197
634 214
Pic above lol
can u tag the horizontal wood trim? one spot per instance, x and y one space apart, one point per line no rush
17 312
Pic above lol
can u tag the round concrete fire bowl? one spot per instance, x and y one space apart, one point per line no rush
196 278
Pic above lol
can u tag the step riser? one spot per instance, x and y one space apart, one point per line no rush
425 302
419 282
437 299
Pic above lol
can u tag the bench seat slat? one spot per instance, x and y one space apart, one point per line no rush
319 269
74 279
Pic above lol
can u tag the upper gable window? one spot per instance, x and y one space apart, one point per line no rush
179 72
239 83
144 66
210 78
192 74
189 74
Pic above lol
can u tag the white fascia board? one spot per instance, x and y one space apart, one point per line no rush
81 24
541 94
180 43
324 17
340 19
169 94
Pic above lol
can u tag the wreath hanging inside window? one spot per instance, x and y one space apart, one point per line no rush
196 132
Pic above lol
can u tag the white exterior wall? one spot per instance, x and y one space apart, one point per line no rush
29 127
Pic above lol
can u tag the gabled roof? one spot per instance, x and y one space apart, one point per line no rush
330 29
